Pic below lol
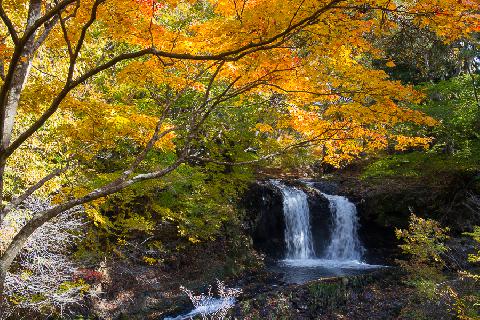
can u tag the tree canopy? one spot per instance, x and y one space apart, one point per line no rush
150 87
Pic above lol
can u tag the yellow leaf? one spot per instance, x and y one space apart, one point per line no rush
390 64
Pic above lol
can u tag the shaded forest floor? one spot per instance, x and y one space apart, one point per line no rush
383 294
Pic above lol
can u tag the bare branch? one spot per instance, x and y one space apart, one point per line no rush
212 79
218 100
48 26
65 36
238 14
44 19
385 9
47 259
2 70
20 50
296 12
78 48
224 96
155 137
239 163
18 200
301 144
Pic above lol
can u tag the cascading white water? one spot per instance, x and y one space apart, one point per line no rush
344 243
343 254
298 234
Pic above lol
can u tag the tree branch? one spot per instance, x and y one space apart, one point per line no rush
65 36
48 28
45 19
8 23
19 200
41 217
78 48
19 48
227 56
284 150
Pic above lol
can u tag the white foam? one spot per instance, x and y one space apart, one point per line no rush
329 264
298 234
207 306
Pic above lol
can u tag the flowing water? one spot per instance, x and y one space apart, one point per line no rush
206 307
344 243
343 254
298 234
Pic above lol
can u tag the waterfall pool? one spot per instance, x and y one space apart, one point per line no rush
300 271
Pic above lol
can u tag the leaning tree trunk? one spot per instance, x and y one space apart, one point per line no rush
3 275
20 74
10 106
19 79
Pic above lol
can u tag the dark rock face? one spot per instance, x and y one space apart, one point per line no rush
379 240
384 205
320 221
266 224
327 187
389 201
376 236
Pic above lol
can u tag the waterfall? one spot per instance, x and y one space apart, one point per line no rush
344 243
298 235
343 251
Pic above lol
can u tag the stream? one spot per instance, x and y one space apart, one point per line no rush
343 253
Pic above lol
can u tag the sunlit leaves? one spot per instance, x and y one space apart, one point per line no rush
293 73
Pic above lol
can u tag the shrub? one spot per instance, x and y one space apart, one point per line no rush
424 242
44 279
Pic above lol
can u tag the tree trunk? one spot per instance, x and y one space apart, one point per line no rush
21 74
2 174
20 77
3 274
40 218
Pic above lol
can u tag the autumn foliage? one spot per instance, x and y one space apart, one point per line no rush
157 83
314 53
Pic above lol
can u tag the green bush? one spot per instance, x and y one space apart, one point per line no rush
456 137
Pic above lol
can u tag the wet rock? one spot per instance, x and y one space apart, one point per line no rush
265 222
320 221
355 297
460 248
